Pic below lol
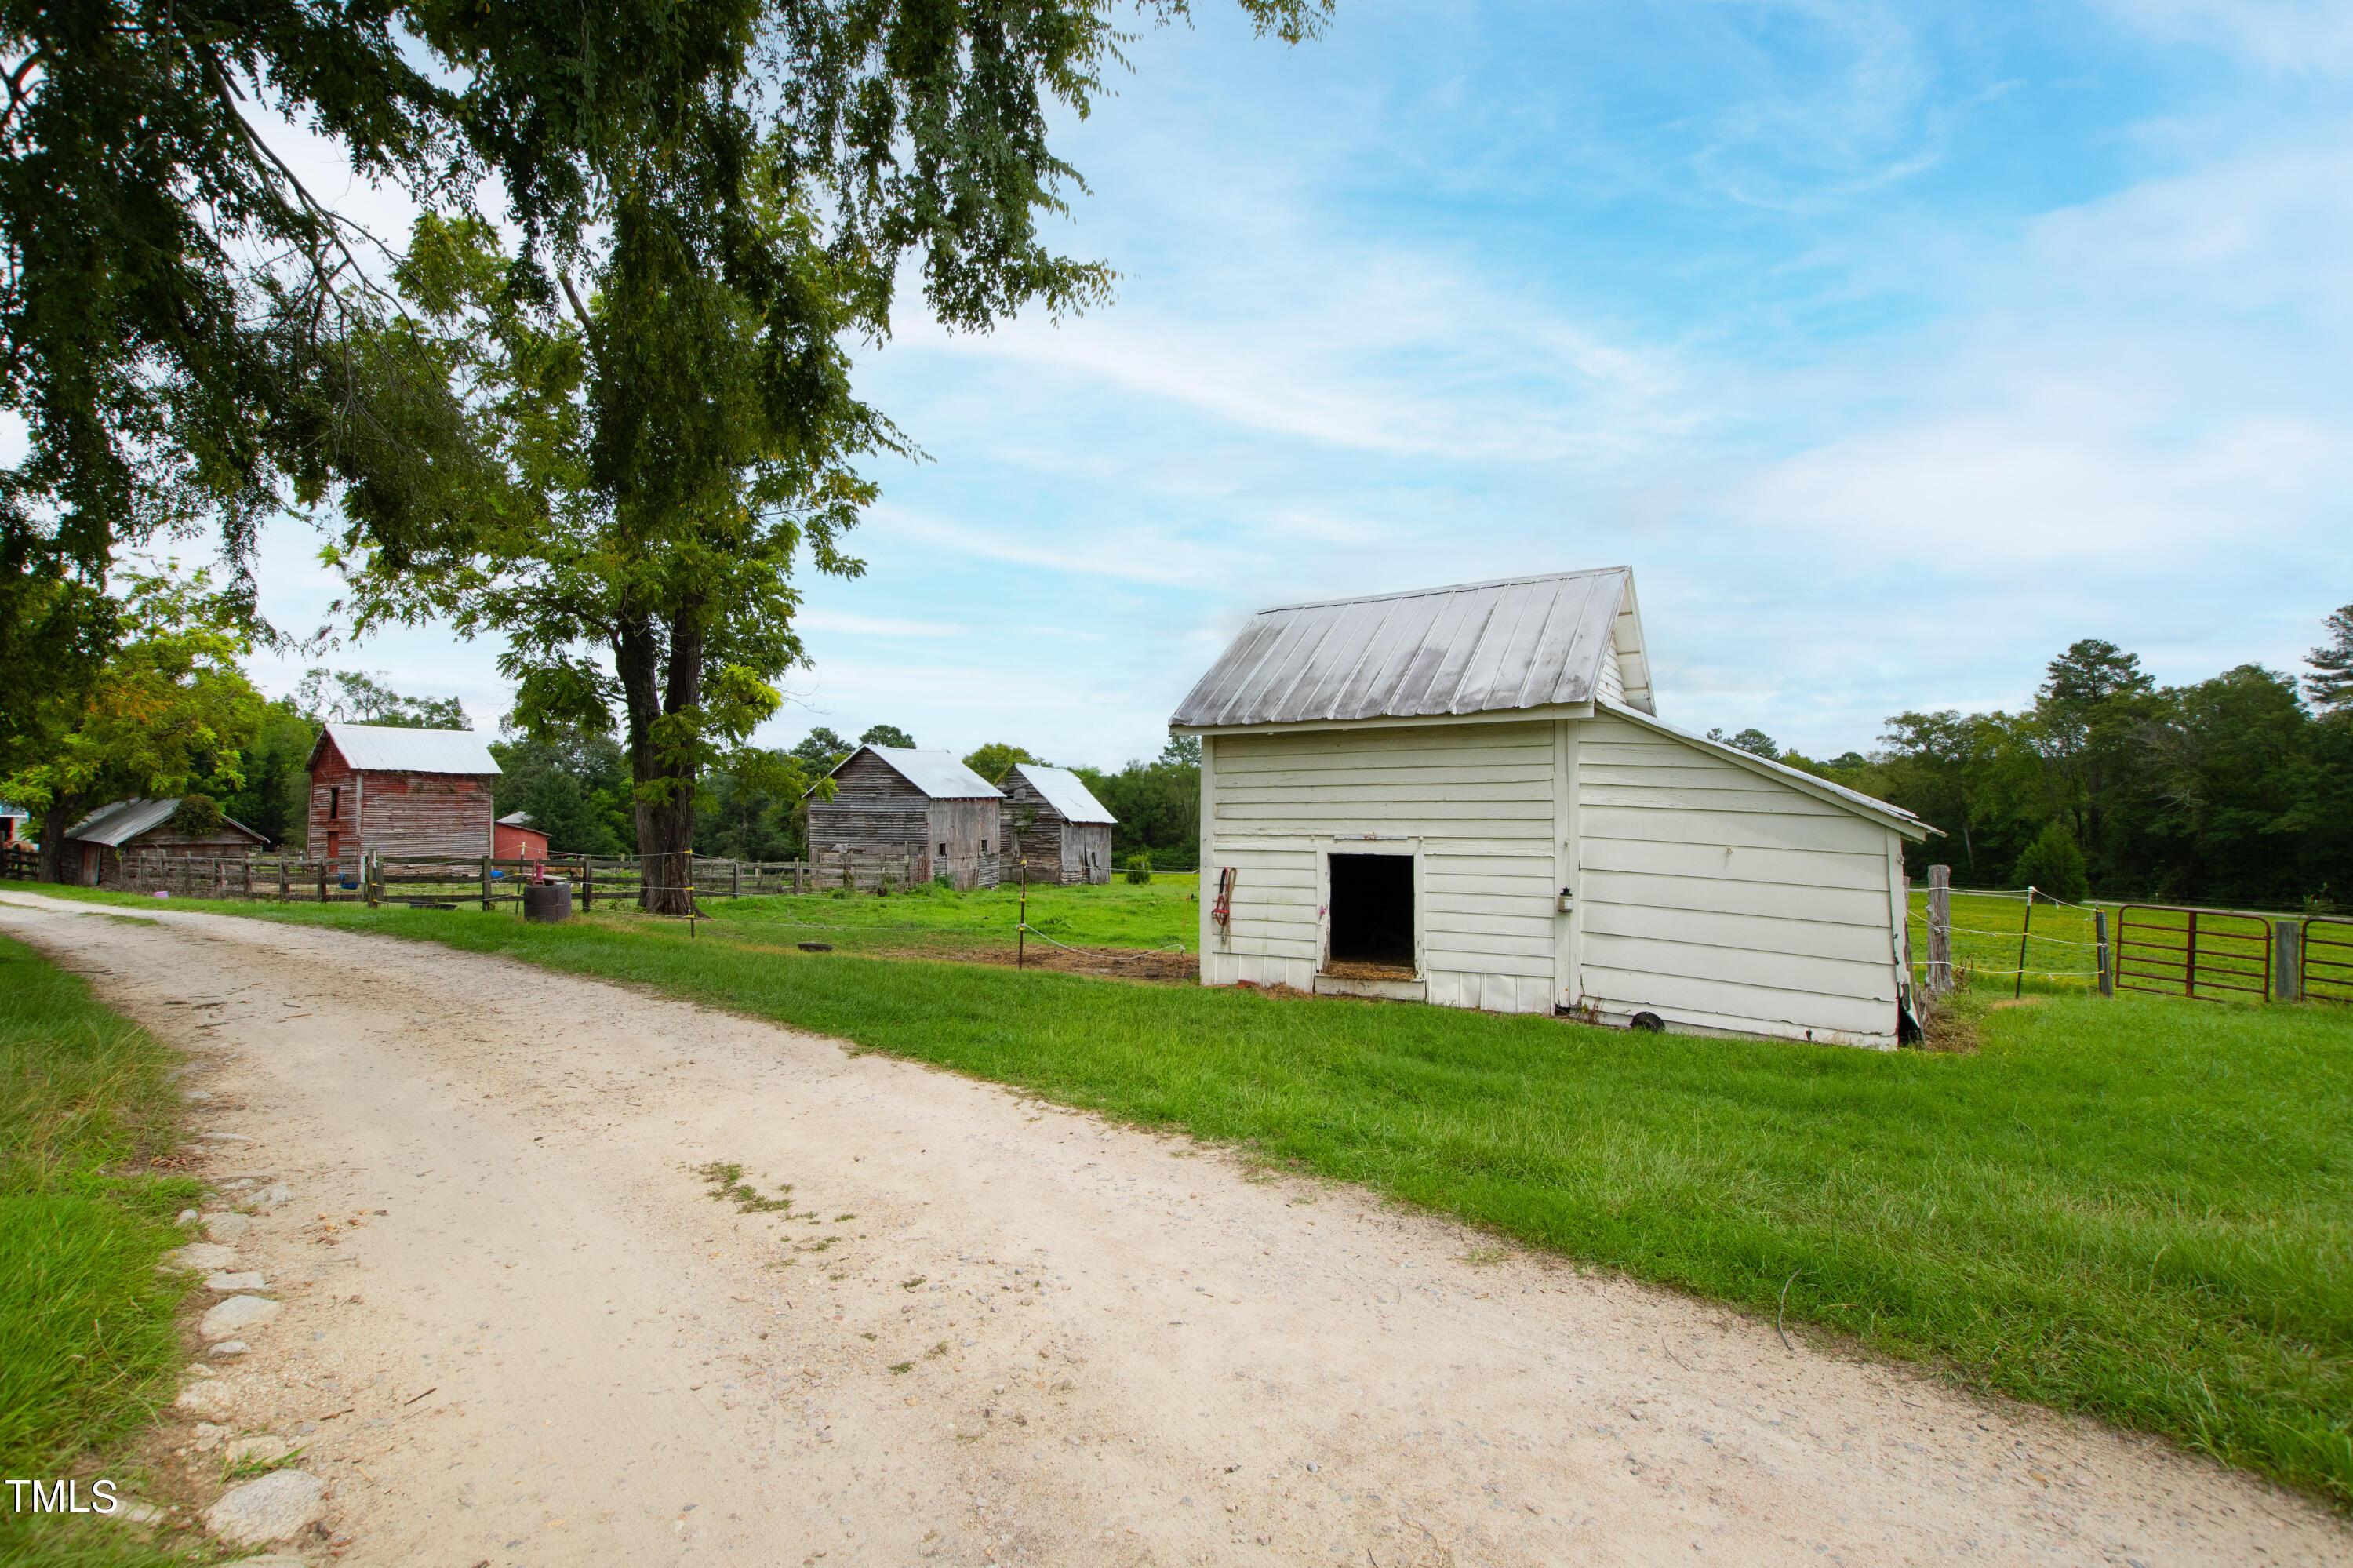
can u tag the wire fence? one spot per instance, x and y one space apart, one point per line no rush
2026 940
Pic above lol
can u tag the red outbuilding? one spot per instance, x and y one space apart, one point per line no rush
387 790
518 839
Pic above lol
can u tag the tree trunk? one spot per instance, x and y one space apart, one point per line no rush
60 816
665 793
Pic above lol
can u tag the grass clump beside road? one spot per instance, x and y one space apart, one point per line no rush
2138 1208
87 1343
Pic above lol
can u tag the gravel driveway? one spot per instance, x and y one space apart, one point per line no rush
521 1331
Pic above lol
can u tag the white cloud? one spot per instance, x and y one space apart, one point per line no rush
2296 38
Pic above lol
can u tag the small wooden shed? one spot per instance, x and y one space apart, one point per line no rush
1054 822
893 801
98 847
1464 795
517 840
387 789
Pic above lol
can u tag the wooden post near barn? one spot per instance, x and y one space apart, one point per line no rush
1940 929
322 879
2107 959
486 884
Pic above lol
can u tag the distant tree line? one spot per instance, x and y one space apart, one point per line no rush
2233 789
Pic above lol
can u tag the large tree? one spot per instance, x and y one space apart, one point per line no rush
168 711
659 372
172 301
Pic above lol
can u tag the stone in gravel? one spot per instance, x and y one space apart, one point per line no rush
228 1348
225 1226
185 1215
212 1397
247 1280
272 1560
225 1136
207 1255
278 1507
235 1314
208 1436
256 1450
276 1192
195 1097
136 1513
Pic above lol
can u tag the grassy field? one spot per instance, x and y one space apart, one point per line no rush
87 1343
935 922
2138 1208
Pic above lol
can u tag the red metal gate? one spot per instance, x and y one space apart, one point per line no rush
2193 952
2326 971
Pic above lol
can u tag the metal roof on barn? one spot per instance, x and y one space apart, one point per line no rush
118 823
1518 642
1065 792
937 773
390 748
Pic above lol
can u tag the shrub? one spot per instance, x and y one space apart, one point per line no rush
1139 867
2055 866
199 816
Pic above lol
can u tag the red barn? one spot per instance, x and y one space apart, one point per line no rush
518 839
376 788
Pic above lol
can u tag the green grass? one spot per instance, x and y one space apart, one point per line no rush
934 921
87 1344
2138 1208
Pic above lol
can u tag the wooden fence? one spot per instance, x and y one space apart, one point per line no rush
436 881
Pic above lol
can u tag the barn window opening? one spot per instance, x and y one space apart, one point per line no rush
1372 910
334 802
943 849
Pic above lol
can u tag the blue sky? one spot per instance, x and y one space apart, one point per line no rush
1893 347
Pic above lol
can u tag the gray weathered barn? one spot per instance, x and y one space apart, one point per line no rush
1053 822
97 846
891 800
1464 795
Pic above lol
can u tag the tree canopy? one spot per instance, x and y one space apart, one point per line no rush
2226 789
168 711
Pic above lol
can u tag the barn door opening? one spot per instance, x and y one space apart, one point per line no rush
1372 911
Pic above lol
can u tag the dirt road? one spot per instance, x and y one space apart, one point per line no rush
985 1329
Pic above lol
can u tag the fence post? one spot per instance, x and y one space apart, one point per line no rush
486 884
2024 927
1940 929
2100 942
2288 955
2190 960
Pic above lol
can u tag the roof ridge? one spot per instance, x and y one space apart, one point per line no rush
1450 588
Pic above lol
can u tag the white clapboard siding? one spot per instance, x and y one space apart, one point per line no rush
1721 899
1477 802
1612 684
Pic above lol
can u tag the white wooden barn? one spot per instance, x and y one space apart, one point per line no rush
1464 795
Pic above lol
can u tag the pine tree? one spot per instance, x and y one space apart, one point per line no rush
2330 685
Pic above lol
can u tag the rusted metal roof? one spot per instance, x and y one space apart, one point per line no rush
1522 643
118 823
1065 792
390 748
